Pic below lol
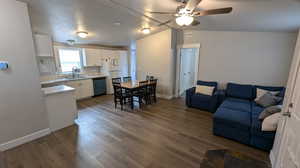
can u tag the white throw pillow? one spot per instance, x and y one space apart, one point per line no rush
206 90
261 92
270 123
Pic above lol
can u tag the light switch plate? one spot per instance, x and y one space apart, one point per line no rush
3 65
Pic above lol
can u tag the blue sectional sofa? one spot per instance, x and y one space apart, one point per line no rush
200 101
237 116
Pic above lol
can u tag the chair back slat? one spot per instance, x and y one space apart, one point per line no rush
142 83
153 84
117 89
127 79
116 80
148 77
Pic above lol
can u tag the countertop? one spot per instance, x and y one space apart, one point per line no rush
57 89
72 79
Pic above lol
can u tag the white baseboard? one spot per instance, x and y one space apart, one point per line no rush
22 140
272 158
169 97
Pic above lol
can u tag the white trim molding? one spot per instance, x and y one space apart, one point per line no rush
178 62
22 140
163 96
272 158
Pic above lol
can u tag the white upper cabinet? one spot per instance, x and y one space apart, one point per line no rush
43 45
92 57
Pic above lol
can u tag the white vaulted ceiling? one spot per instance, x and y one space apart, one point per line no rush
62 18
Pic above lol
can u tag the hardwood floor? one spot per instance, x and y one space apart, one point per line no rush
164 135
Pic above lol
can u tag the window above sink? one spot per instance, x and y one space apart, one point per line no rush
69 58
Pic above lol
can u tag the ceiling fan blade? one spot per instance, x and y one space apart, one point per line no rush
163 13
195 23
213 12
164 23
192 4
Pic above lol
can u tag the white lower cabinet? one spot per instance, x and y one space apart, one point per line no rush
84 88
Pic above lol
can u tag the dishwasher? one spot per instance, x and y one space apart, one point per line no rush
99 86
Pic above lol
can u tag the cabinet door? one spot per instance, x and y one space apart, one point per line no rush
76 86
93 57
43 45
86 88
107 53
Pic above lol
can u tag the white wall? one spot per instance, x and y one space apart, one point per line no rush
22 108
243 57
156 56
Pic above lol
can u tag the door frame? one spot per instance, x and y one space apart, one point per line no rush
178 63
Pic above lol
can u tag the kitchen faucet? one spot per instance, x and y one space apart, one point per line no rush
75 72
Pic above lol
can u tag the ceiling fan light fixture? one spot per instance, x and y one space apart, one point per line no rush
70 42
82 34
146 30
184 20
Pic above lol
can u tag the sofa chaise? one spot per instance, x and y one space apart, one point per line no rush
237 116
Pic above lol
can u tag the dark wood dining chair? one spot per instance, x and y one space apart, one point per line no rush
142 92
148 77
116 80
152 90
127 79
119 95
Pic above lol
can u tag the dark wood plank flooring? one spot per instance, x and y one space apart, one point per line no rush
163 135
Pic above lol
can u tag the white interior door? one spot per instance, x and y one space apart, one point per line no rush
285 152
187 68
291 145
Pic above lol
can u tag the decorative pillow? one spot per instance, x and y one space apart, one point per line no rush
269 111
261 92
268 99
206 90
270 123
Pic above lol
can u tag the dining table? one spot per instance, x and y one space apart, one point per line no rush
132 86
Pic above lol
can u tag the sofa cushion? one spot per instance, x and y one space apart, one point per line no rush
233 118
201 101
237 104
200 97
239 91
232 132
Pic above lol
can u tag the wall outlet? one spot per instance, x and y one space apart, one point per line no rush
3 65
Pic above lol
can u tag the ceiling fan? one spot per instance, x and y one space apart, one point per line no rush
185 14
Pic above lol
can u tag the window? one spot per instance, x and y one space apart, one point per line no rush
70 58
